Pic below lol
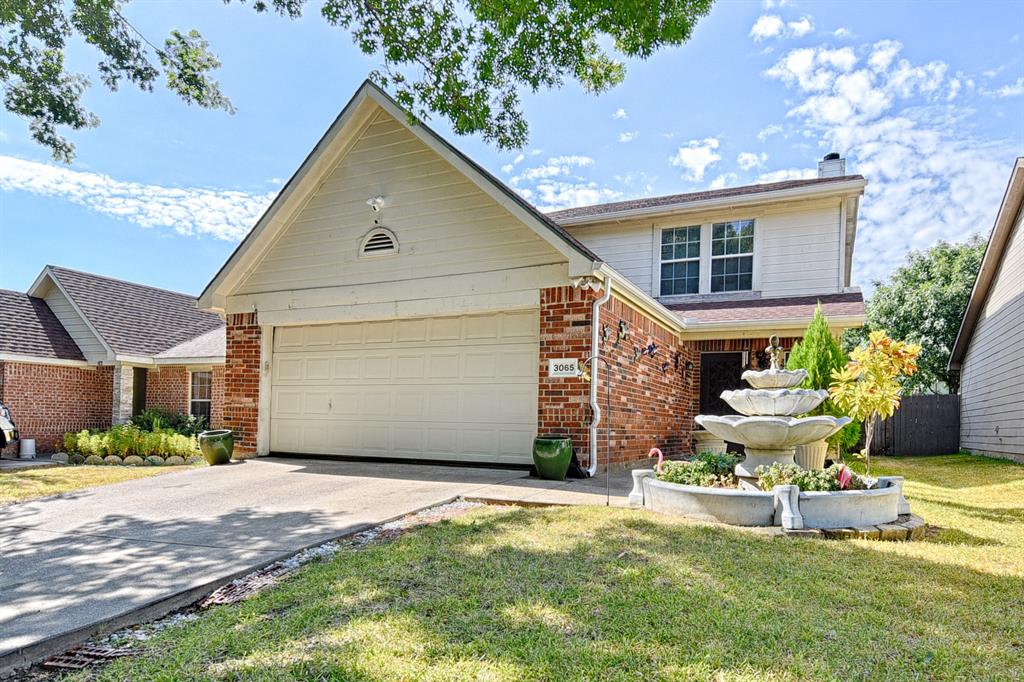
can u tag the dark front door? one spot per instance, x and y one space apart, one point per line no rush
719 372
139 375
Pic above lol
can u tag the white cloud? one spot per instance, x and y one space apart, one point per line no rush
696 156
192 211
556 166
620 113
930 176
723 181
786 174
842 33
555 195
628 136
748 160
801 27
766 26
1014 90
768 131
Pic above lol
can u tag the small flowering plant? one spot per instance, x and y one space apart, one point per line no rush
835 477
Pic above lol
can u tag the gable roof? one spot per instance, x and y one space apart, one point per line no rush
1009 209
133 319
28 327
673 201
331 148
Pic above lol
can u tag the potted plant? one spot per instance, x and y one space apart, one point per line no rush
551 456
217 446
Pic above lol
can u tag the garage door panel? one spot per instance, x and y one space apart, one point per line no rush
460 388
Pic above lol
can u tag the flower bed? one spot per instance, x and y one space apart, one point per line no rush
129 445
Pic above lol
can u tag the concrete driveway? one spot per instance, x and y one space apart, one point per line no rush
93 556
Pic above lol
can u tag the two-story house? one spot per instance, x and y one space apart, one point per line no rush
397 300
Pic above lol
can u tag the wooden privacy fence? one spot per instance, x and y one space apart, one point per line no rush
923 425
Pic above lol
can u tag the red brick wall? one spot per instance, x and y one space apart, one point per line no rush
649 407
758 359
217 407
47 401
242 381
167 389
563 405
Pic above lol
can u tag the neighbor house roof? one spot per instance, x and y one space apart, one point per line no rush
134 319
1009 209
836 307
673 201
28 327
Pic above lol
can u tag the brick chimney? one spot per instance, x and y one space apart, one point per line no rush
832 166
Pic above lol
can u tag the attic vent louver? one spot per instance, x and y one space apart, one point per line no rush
379 241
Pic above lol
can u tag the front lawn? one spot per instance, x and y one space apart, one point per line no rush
17 485
592 593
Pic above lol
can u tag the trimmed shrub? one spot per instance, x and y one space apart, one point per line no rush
155 460
94 460
174 460
132 461
113 460
124 440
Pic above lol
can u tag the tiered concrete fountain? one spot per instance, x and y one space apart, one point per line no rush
768 425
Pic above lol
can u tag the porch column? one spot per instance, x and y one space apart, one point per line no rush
124 384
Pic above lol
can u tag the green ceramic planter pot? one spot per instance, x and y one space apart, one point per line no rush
217 446
552 456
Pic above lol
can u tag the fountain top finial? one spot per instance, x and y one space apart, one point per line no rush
775 352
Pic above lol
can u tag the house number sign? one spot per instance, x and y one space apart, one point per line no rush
563 367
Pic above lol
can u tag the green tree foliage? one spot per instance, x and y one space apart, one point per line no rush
923 303
467 60
820 354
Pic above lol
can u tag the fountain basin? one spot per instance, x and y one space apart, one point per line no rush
774 378
785 506
774 402
723 505
771 434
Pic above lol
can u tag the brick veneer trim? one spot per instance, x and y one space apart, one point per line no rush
242 381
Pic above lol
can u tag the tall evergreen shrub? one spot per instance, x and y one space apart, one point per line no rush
820 354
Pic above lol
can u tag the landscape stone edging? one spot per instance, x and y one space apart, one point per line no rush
64 458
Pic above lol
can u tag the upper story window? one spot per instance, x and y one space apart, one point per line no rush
680 260
732 256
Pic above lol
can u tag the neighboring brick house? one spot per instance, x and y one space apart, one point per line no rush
398 301
83 351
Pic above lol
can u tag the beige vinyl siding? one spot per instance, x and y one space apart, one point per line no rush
796 246
625 247
799 250
92 348
992 374
444 223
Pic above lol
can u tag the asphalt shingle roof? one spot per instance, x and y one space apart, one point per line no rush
135 319
29 327
598 210
832 305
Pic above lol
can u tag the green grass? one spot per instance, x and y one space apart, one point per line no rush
18 485
595 594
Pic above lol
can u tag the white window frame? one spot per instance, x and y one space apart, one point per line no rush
753 248
697 258
706 222
209 400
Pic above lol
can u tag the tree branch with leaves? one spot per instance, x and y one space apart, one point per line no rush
466 60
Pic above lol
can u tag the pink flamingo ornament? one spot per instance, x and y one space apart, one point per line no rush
661 458
845 476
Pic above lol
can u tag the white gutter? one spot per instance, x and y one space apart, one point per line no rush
35 360
595 352
812 191
627 290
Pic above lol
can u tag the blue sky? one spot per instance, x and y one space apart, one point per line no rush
927 101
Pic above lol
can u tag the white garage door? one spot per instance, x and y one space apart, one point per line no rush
453 388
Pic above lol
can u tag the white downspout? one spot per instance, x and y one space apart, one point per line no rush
595 351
